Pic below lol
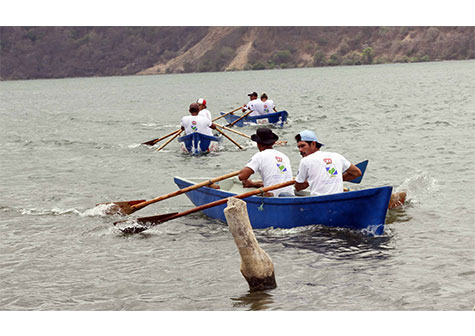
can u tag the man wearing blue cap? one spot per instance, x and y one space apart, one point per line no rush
324 172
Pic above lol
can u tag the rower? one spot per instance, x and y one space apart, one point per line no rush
204 112
272 165
324 172
196 123
253 105
267 104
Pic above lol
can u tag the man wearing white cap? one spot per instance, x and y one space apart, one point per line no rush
324 172
204 112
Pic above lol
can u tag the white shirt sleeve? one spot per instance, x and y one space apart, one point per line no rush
345 162
302 173
255 162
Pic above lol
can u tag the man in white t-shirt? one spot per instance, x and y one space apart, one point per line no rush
324 172
272 165
195 123
253 105
204 112
267 105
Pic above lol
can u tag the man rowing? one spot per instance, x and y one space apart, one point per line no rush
272 165
204 112
196 123
253 105
323 172
267 104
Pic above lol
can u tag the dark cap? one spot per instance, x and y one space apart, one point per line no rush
253 93
264 96
264 136
194 108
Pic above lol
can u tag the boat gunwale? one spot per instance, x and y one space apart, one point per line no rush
343 196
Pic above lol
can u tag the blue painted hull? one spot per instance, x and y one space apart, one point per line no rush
358 210
278 118
197 143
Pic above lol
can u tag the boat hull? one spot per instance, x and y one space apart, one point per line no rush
278 118
358 210
198 143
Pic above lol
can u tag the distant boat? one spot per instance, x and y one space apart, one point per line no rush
198 143
363 210
278 118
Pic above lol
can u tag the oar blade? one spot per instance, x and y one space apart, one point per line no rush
141 224
362 166
120 208
150 143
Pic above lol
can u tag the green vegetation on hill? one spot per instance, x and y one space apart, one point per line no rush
57 52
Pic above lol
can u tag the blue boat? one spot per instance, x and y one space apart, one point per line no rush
278 118
198 143
364 210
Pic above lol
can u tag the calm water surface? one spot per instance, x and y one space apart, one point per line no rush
68 144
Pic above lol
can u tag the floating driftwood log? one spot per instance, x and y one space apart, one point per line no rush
256 265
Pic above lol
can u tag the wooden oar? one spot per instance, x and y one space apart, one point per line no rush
280 142
229 138
233 130
147 222
154 141
128 207
243 116
223 115
170 140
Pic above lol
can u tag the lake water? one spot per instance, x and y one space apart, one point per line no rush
68 144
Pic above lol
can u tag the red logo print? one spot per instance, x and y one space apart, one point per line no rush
327 160
279 159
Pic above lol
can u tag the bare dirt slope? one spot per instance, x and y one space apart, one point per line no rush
176 64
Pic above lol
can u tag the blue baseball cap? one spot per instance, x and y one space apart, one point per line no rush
308 135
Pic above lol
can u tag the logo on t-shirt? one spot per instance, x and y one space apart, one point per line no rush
331 170
193 126
278 158
281 167
327 160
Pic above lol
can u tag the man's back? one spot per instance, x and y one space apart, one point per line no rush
256 106
268 106
274 167
323 171
205 113
196 123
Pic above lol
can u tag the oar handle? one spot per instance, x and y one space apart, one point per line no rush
241 117
170 140
233 130
223 115
184 190
229 138
224 200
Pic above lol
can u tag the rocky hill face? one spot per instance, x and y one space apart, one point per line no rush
56 52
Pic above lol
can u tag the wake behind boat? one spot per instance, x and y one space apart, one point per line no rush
358 210
198 143
277 118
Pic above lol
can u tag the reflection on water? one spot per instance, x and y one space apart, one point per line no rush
398 215
254 300
349 244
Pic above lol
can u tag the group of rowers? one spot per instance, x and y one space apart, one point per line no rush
322 172
200 119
